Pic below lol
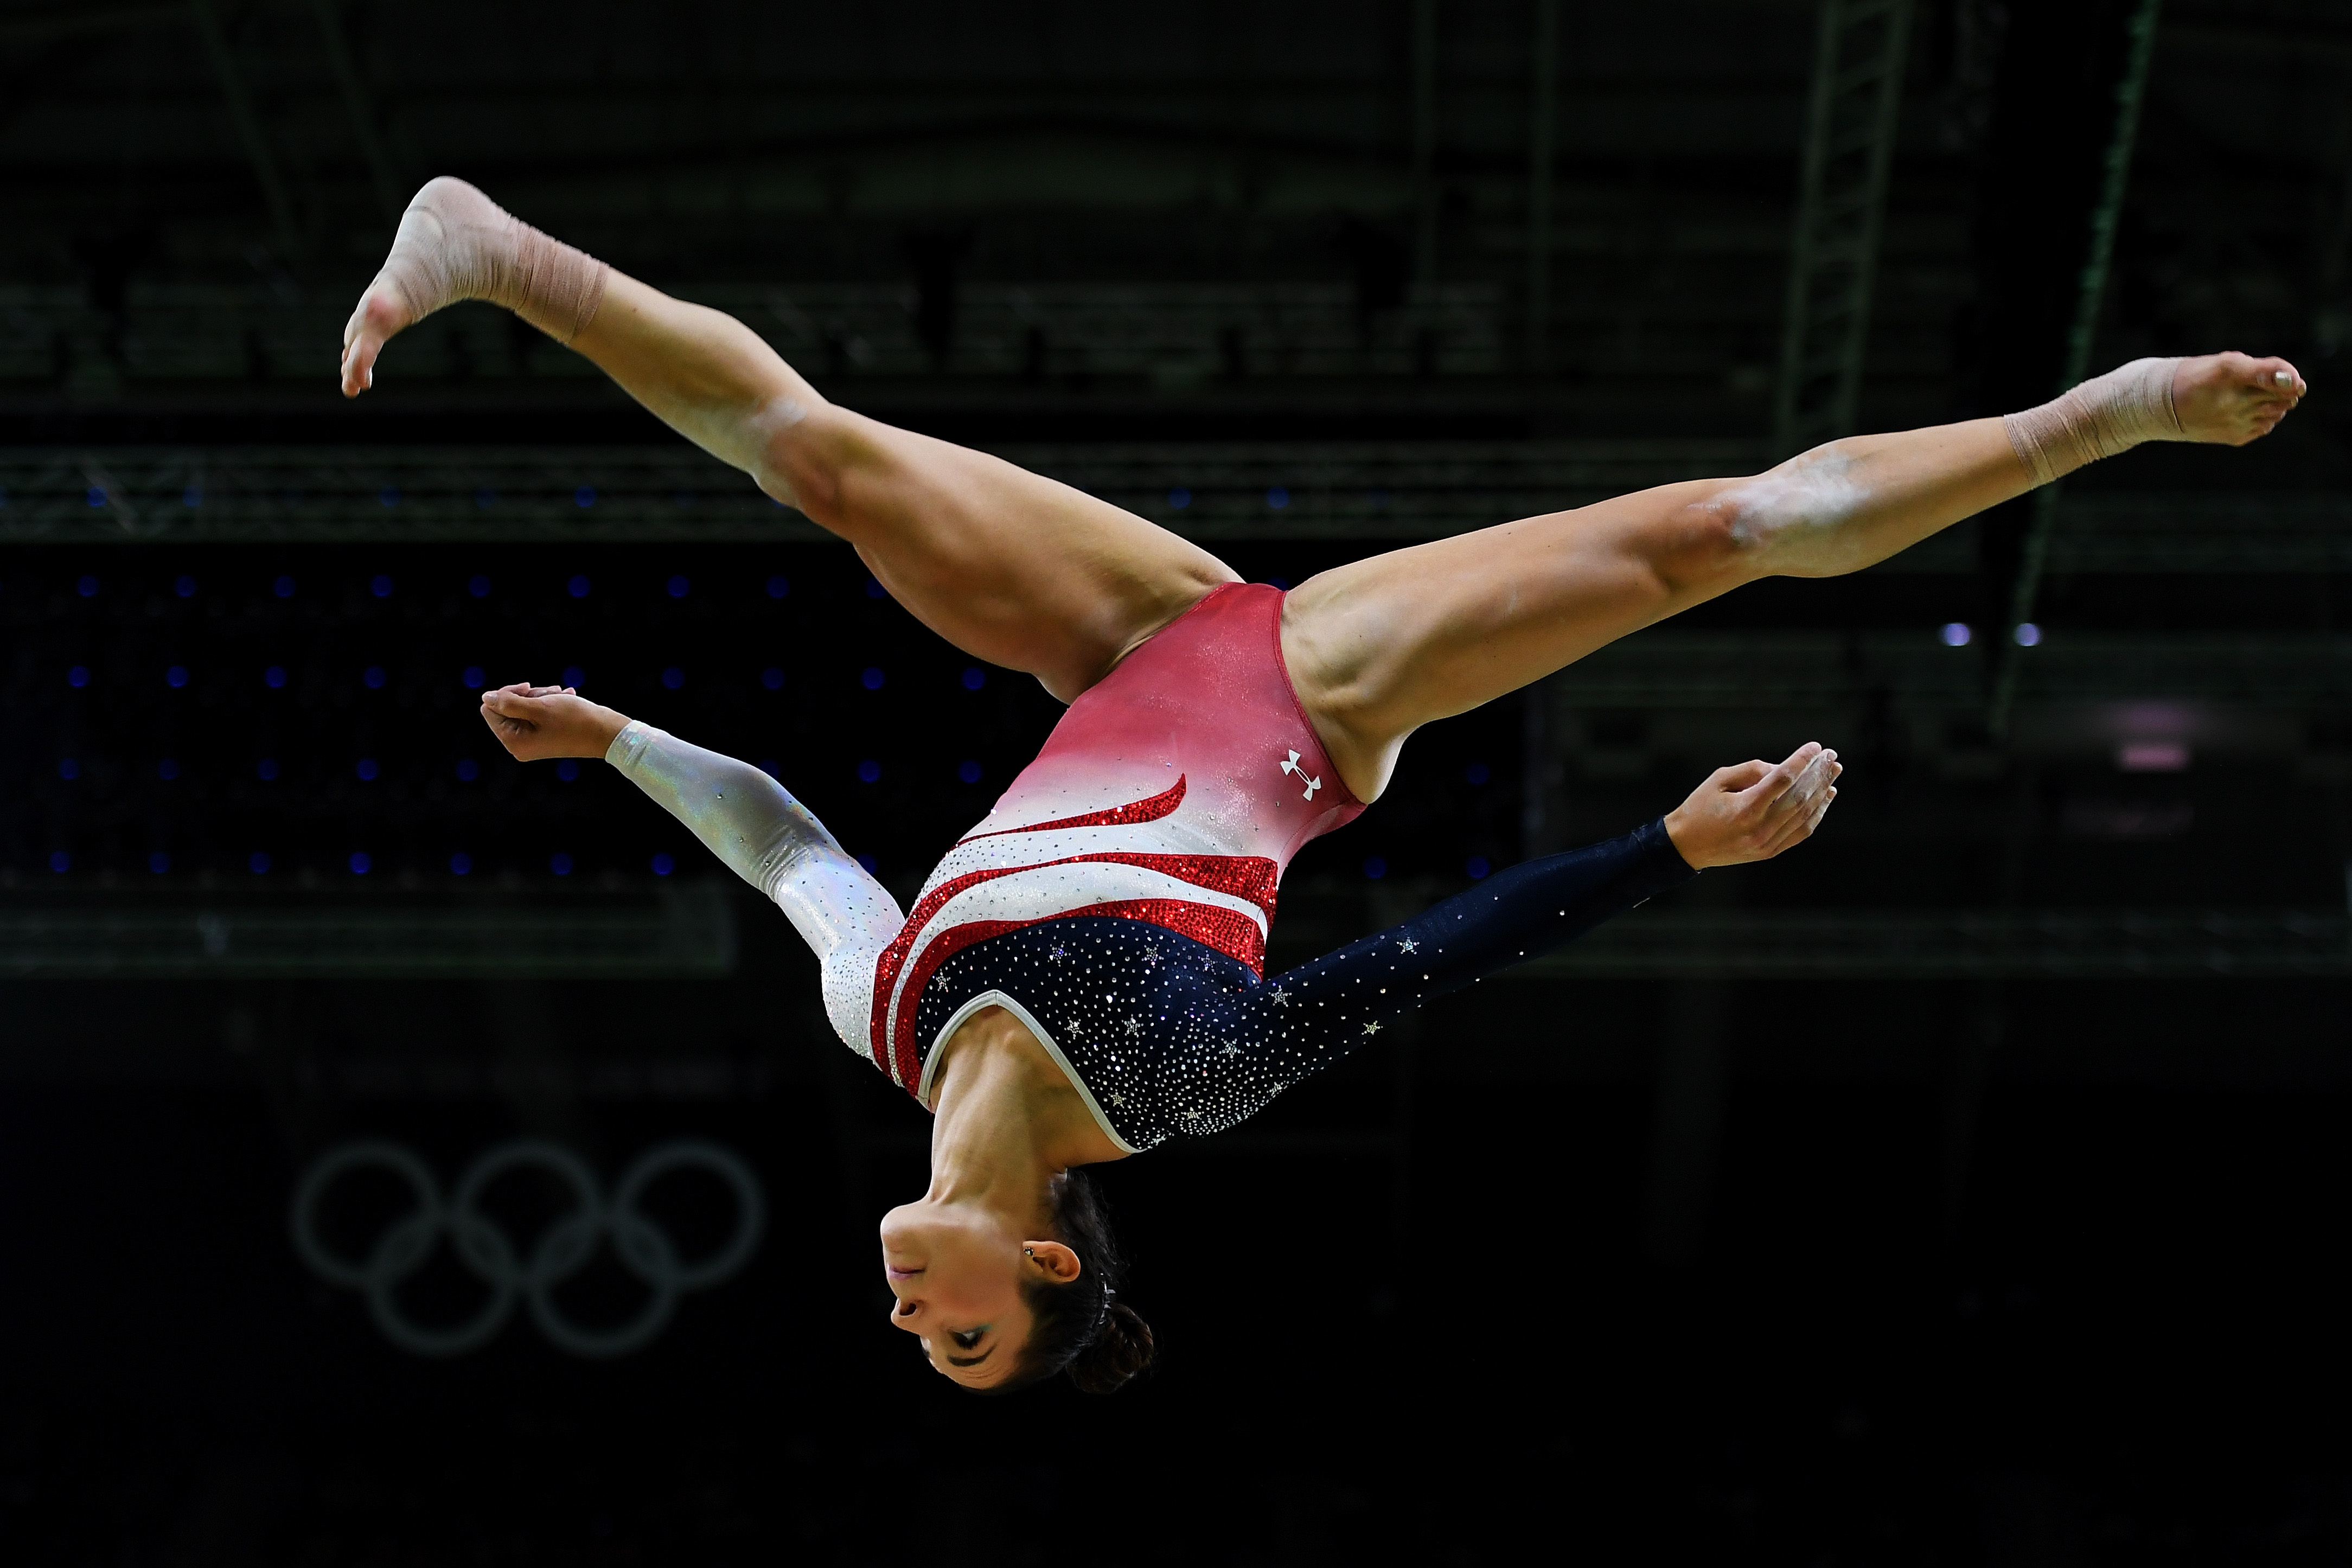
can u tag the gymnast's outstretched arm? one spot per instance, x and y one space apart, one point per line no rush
743 816
1304 1021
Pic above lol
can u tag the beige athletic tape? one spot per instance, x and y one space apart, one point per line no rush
2104 416
455 243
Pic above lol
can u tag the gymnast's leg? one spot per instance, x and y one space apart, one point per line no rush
1009 566
1383 646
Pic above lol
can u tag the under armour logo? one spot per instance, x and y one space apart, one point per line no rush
1291 770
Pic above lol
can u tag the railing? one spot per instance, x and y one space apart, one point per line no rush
679 932
1221 491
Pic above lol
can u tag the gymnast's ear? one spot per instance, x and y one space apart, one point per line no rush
1053 1259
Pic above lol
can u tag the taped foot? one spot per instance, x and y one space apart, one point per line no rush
454 243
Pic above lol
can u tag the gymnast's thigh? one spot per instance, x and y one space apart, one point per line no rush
1382 646
1009 566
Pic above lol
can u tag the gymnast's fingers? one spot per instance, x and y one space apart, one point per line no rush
1800 828
1805 782
1818 775
1738 777
500 708
1795 829
1784 788
511 733
1800 808
1754 804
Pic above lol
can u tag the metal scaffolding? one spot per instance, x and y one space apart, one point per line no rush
1957 943
1857 92
2091 293
687 932
1372 492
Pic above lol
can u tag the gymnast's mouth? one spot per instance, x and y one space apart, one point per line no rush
900 1273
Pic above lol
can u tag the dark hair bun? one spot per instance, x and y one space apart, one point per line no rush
1119 1350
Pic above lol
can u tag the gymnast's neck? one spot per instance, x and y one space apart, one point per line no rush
1007 1119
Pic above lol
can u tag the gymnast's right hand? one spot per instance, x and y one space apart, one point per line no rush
1753 810
535 723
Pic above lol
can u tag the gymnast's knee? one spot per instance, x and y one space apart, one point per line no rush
1708 539
805 450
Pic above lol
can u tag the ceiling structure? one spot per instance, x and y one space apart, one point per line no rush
1052 204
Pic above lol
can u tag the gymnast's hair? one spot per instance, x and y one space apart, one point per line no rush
1083 1328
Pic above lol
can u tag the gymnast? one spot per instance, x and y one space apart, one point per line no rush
1082 977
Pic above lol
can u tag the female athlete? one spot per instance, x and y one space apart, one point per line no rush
1083 976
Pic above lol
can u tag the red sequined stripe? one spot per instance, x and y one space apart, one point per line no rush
1163 804
1253 877
885 972
1235 935
894 957
945 946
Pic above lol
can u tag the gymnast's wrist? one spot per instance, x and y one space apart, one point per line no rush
606 724
1681 832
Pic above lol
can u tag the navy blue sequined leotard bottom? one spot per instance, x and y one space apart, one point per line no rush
1170 1037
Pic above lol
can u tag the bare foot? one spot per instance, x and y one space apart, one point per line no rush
2231 399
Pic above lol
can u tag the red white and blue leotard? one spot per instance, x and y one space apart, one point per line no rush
1116 899
1174 793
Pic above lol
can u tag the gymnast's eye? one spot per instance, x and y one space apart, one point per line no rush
969 1338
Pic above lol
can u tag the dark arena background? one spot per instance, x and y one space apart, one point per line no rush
1967 1187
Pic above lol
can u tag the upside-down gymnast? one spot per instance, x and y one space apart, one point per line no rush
1082 976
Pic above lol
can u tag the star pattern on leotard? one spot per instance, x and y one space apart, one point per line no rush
1184 1046
1173 1036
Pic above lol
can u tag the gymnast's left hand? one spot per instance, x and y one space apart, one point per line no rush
1753 810
539 722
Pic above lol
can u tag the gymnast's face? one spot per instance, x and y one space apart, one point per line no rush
956 1272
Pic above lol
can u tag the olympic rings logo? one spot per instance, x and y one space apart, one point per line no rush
563 1248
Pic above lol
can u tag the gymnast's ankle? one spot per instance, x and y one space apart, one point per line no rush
2103 416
